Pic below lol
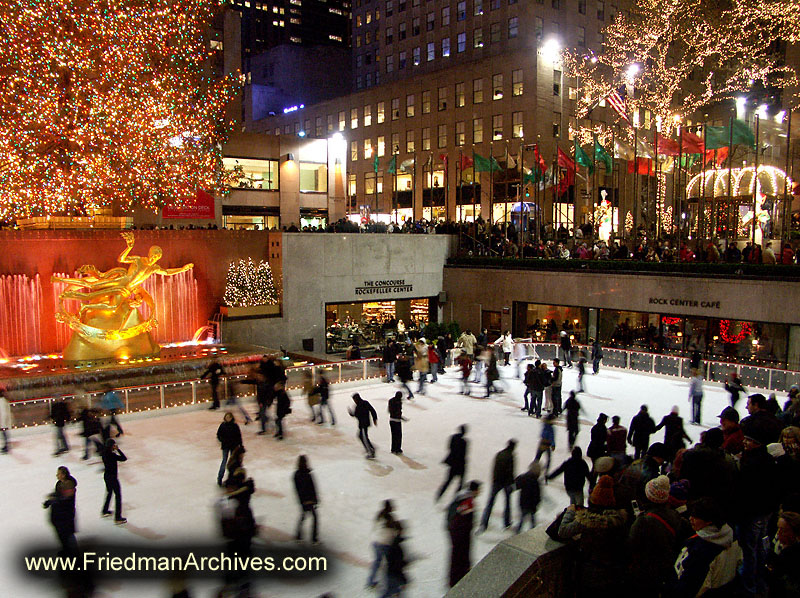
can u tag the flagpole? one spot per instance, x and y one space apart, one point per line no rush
755 182
521 166
459 191
396 195
447 186
635 182
474 217
491 187
613 185
785 228
730 168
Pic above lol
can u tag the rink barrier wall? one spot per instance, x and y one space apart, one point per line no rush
149 397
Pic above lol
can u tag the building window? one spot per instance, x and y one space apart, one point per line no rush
556 125
367 149
389 63
445 16
426 102
381 146
582 7
354 118
516 124
445 47
581 36
389 37
410 105
358 41
460 95
477 91
359 61
410 149
516 82
395 108
556 4
442 99
513 27
460 133
497 86
415 26
354 151
601 10
330 123
430 22
401 5
497 127
368 79
319 131
367 115
401 60
395 143
442 136
415 56
462 42
401 31
478 7
461 10
494 32
381 112
426 139
431 51
389 8
477 130
369 17
538 28
351 185
494 4
477 38
342 120
307 126
556 83
358 20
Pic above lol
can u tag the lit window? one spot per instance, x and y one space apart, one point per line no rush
381 145
477 130
410 142
445 47
442 136
426 139
516 124
460 133
477 91
354 118
410 105
367 149
477 38
497 127
367 115
513 27
426 102
516 82
462 42
460 95
497 86
381 112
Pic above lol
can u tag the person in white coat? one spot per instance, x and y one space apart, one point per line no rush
507 344
6 421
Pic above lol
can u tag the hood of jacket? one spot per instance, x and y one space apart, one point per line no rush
722 536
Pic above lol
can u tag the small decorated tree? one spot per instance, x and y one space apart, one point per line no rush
248 284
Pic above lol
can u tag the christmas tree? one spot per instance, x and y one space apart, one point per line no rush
107 102
248 285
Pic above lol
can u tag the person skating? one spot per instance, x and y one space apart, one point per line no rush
598 439
507 345
556 380
696 396
527 381
112 455
465 367
492 374
467 341
529 494
502 480
581 372
573 409
215 371
421 363
461 517
456 461
389 359
576 474
383 533
615 443
6 422
642 426
597 355
734 387
547 441
233 401
283 407
60 415
307 497
404 373
323 390
230 436
265 395
537 390
434 361
396 420
566 348
365 414
674 434
61 503
395 563
112 403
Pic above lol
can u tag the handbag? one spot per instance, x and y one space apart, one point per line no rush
552 529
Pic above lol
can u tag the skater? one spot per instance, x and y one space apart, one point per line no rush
396 420
323 390
617 435
527 380
307 497
696 396
734 387
311 397
547 377
233 401
597 355
434 361
92 429
363 412
573 409
529 494
404 373
597 444
62 510
230 436
566 348
581 371
576 474
389 359
507 344
537 390
383 533
467 341
482 356
556 378
460 519
6 421
112 403
502 479
111 458
283 407
265 395
642 426
60 415
492 374
456 461
465 366
547 441
395 563
421 363
674 434
215 371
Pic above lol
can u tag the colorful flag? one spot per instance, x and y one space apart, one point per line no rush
603 156
691 143
667 146
641 166
582 158
466 162
623 150
742 134
539 160
718 155
485 164
407 165
564 161
511 162
531 176
392 165
644 149
716 137
617 101
375 164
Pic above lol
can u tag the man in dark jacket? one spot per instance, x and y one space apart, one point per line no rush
396 420
529 494
597 356
62 510
709 471
502 479
60 415
363 412
733 438
761 418
642 426
461 515
229 436
307 496
389 359
111 458
576 474
283 407
456 461
215 371
404 372
556 381
598 438
566 348
538 381
674 434
573 409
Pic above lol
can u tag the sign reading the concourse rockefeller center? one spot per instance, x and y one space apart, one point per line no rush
384 287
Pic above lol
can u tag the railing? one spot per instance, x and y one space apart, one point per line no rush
148 397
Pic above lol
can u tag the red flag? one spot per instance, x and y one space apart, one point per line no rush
564 161
643 166
718 155
539 160
691 143
443 158
666 146
466 162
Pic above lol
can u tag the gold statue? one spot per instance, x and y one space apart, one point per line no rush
109 324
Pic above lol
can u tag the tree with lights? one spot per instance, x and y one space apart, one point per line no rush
107 102
248 285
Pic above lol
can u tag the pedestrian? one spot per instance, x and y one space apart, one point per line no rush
233 401
527 380
283 407
396 420
215 371
323 390
547 377
92 429
507 344
383 533
556 379
421 363
434 361
112 455
597 355
502 480
456 461
566 348
404 373
265 395
576 474
529 494
547 441
734 387
492 373
785 575
617 435
674 434
696 396
6 421
230 436
482 357
467 341
642 426
537 390
573 409
307 497
598 439
61 503
761 417
112 403
60 414
395 563
460 520
581 371
389 359
465 366
364 412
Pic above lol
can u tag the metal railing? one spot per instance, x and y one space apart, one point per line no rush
149 397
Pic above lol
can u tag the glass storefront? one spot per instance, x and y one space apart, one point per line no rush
370 324
544 323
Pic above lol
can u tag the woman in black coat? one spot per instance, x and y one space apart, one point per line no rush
307 496
62 510
230 436
396 420
283 408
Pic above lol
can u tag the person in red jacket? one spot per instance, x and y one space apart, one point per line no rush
787 255
433 361
731 430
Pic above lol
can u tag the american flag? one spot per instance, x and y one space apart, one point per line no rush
617 101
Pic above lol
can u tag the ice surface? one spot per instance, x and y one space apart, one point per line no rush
168 483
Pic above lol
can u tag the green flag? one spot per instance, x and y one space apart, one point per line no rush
601 155
716 137
484 164
582 158
392 165
743 134
531 176
688 160
375 163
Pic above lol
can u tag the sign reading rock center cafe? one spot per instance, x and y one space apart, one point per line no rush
384 287
678 302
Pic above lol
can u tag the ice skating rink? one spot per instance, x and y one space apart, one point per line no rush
169 481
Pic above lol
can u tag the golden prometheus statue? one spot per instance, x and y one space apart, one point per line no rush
109 324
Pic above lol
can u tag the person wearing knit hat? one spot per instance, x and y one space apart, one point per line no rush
657 490
603 493
679 495
604 465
